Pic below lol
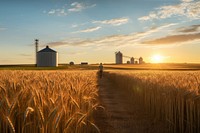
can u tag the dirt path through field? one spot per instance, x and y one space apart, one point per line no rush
120 115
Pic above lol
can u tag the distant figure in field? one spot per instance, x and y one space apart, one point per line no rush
100 70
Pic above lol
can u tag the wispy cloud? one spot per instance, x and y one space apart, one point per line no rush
92 29
58 12
187 8
2 29
76 53
186 0
182 35
77 7
174 39
74 25
27 55
114 40
114 22
69 42
108 41
74 7
189 29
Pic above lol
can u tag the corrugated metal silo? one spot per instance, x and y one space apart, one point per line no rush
141 60
132 60
119 57
47 58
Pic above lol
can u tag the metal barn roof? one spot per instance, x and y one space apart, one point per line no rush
47 49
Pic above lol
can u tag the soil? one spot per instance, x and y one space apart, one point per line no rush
120 115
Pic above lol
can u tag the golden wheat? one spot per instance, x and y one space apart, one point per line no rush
170 96
47 101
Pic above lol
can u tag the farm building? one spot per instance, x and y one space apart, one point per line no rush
84 63
47 58
132 60
141 60
118 57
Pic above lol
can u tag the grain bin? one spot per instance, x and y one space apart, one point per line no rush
119 57
132 60
47 58
141 60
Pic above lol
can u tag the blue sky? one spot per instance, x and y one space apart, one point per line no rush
92 30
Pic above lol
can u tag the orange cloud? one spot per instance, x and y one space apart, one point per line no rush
113 40
193 28
174 39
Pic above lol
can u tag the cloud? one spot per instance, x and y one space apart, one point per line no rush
149 33
53 11
114 40
187 8
92 29
70 42
58 12
74 25
186 0
114 22
81 24
189 29
107 41
27 55
74 7
2 29
76 53
174 39
151 15
77 7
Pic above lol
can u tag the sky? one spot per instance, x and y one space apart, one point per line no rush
93 30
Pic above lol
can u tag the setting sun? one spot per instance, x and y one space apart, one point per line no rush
157 59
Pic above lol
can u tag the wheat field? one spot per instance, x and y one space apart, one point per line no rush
169 96
64 101
47 101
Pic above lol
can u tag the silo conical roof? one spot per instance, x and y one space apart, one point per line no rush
47 49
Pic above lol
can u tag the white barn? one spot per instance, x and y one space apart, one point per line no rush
47 58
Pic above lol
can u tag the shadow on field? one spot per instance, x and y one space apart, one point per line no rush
121 114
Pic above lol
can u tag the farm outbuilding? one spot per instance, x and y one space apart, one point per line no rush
47 58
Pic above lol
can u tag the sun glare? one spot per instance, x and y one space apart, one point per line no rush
157 59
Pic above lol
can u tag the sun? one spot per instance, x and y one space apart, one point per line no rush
157 59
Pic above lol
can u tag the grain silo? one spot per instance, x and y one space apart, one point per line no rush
132 60
141 60
47 58
119 57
